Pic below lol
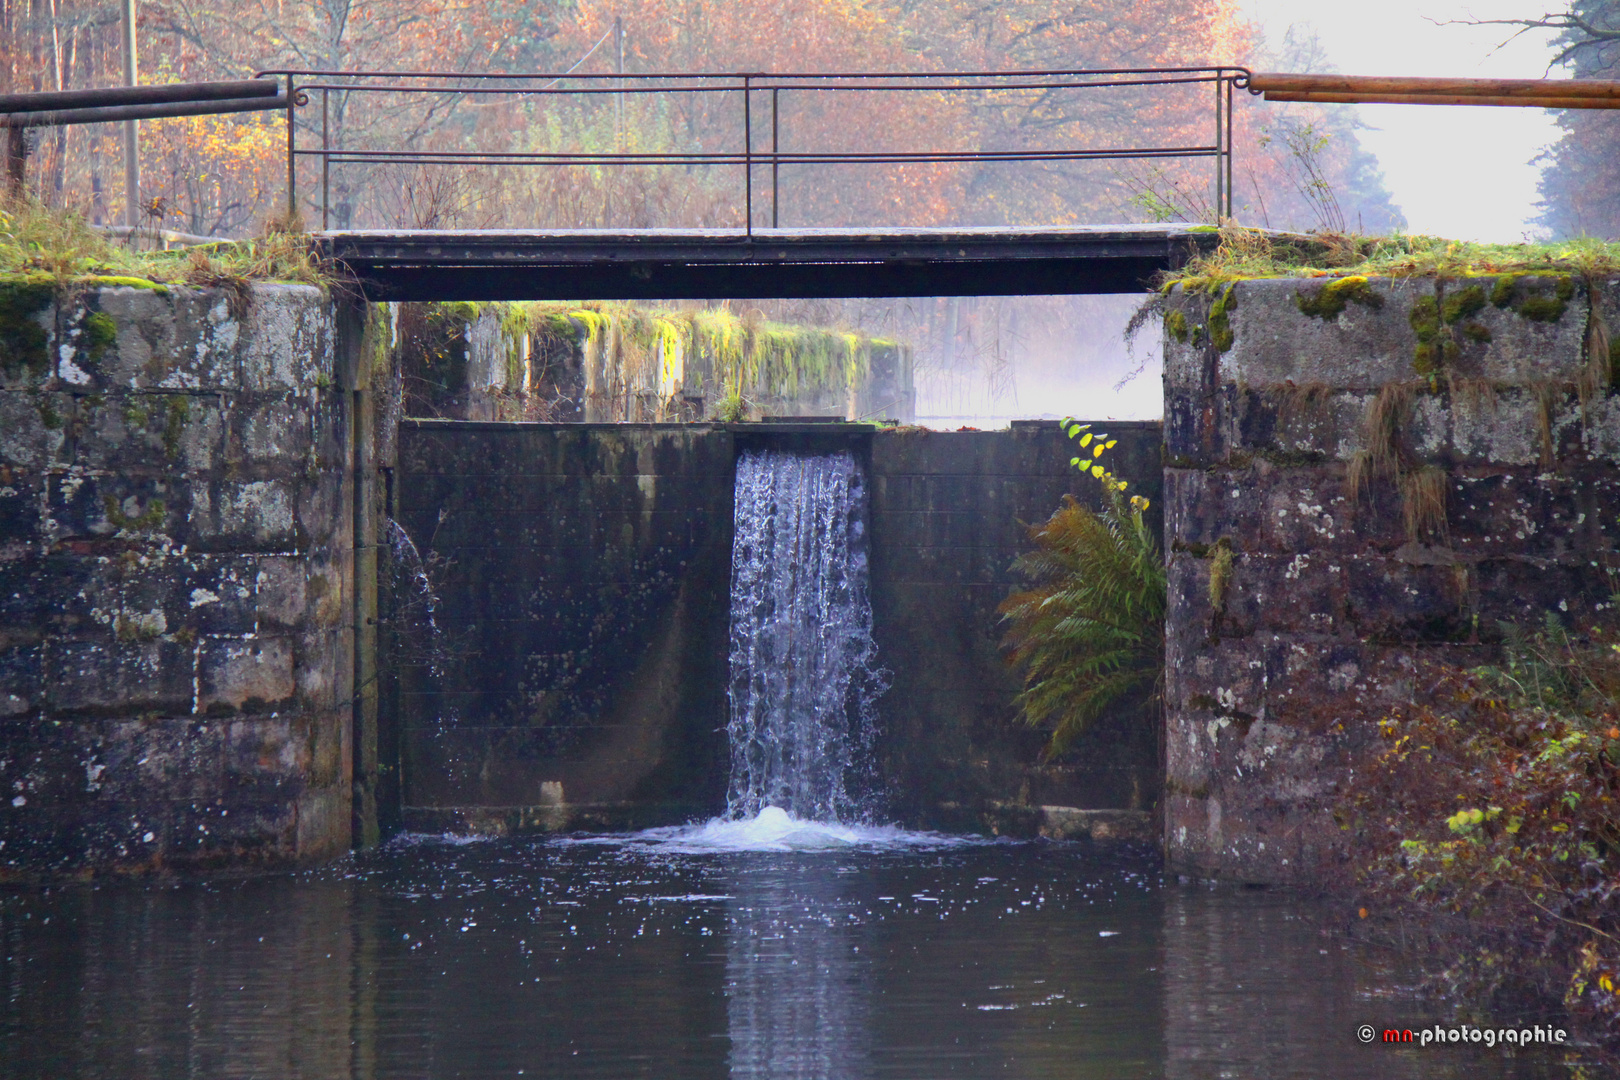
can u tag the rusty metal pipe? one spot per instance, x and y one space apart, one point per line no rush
113 113
1546 102
1272 83
137 95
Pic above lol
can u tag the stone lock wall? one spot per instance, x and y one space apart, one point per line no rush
175 578
582 577
1361 475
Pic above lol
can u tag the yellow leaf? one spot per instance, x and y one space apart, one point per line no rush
1097 471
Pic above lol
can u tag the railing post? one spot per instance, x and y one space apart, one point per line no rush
748 155
775 163
326 160
1220 150
1229 87
292 160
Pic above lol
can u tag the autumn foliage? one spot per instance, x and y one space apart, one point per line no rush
225 175
1492 810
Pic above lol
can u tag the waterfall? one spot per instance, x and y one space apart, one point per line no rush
804 677
416 606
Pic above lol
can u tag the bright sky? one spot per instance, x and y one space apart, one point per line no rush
1457 172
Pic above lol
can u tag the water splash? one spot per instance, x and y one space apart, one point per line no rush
417 605
774 829
804 677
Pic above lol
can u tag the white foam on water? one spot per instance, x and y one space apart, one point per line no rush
774 829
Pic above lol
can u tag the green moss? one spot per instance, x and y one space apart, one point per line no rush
145 521
461 310
1329 302
1462 303
1426 359
100 334
174 426
1536 306
1476 332
22 339
1541 308
47 412
135 414
1220 320
1176 323
1425 319
118 282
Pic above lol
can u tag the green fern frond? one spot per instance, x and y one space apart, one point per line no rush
1089 632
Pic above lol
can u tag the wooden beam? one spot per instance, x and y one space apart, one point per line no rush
1360 85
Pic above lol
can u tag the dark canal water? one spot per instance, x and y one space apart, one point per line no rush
680 954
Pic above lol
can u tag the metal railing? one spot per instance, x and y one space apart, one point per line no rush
751 89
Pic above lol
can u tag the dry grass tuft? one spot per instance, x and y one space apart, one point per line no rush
1423 505
1255 253
35 239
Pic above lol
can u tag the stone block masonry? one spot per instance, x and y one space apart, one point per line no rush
1362 474
175 579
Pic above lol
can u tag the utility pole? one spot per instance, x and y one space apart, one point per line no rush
132 145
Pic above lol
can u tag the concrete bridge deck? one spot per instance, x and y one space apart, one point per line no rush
675 264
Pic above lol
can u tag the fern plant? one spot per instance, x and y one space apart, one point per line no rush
1089 631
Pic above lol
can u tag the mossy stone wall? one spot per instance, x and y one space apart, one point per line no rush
175 579
1360 475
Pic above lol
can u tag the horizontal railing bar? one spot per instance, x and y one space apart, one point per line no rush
550 91
475 157
1234 70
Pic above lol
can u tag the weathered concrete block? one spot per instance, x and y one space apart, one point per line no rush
214 594
1071 823
25 354
255 515
252 676
33 428
279 431
121 677
156 431
22 506
287 339
281 588
157 515
149 353
96 505
22 680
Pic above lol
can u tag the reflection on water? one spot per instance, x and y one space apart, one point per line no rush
797 988
570 960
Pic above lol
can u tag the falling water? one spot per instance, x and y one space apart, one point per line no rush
804 677
418 604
